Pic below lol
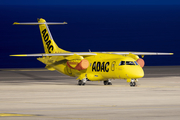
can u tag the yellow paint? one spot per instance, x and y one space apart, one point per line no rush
81 76
94 77
136 57
128 80
15 23
103 66
12 115
49 68
19 55
49 45
74 57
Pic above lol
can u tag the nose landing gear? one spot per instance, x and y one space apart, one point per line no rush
133 82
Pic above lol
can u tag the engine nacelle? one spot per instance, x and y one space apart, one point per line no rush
140 62
78 64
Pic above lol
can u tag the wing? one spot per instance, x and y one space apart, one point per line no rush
90 53
55 54
139 53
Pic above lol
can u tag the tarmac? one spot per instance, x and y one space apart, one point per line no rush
27 94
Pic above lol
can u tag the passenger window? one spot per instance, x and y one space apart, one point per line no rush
130 63
122 63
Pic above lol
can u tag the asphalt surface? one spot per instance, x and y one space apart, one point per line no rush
27 94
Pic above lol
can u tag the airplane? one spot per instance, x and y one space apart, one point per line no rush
88 66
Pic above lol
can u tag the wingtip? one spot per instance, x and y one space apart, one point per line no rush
18 55
171 53
15 23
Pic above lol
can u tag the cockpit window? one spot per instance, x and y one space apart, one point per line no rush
130 63
122 63
135 62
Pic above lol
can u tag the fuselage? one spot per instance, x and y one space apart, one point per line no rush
102 67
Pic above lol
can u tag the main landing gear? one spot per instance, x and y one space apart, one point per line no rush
82 82
108 82
133 82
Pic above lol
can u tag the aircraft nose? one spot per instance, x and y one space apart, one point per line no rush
135 73
140 73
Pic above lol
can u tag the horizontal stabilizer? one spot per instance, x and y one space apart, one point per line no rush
36 23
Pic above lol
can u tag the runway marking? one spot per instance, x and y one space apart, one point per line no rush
14 114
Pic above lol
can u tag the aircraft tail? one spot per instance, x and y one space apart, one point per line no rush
49 45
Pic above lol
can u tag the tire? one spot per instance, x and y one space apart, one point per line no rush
79 82
105 82
109 83
134 84
131 84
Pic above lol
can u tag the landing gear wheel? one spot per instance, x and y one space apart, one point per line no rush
132 84
105 82
82 82
108 82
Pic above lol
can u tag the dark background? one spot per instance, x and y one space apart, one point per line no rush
141 28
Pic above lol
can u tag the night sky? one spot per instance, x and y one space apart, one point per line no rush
89 2
103 25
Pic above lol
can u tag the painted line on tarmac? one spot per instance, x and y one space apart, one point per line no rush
15 115
29 115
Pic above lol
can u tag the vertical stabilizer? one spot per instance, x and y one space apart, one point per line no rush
49 45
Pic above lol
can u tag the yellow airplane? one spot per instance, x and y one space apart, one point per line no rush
89 66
